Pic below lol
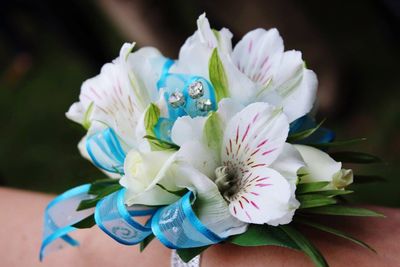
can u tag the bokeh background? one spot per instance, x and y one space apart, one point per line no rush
48 48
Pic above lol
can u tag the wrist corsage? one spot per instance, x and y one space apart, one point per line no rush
216 146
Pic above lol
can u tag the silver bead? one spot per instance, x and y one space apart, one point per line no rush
176 99
204 104
196 89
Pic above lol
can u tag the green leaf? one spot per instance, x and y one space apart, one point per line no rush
186 254
263 235
305 245
86 117
146 242
334 232
88 222
360 179
218 76
303 134
90 203
339 143
178 193
97 186
213 132
151 118
333 193
355 157
315 200
340 210
310 187
158 144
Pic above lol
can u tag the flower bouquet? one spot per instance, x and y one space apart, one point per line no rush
216 146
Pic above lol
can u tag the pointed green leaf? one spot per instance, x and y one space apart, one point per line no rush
186 254
310 187
340 210
86 117
90 203
305 245
218 76
355 157
263 235
314 200
339 143
158 144
146 242
88 222
213 132
334 232
303 134
333 193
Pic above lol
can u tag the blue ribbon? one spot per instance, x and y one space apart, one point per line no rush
175 225
60 215
106 151
114 218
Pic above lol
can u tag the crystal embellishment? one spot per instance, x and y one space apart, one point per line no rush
196 89
204 104
176 99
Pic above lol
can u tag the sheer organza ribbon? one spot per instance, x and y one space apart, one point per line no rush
175 225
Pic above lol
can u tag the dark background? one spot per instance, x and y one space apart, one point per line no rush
48 48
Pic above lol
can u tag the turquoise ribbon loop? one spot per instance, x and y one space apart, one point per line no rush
117 220
59 216
177 226
106 151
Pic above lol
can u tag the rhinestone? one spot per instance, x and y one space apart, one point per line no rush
176 99
204 104
196 90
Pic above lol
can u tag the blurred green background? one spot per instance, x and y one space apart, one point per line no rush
48 48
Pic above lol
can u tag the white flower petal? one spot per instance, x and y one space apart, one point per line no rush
258 54
288 163
187 129
263 197
210 206
320 166
198 156
296 85
254 137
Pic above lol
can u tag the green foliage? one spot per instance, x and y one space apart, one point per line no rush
218 76
99 189
310 187
305 245
263 235
186 254
333 231
340 210
151 118
213 132
146 242
355 157
158 144
88 222
339 143
303 134
315 200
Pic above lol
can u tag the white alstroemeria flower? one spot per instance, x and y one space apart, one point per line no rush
258 69
145 178
241 155
118 96
320 167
